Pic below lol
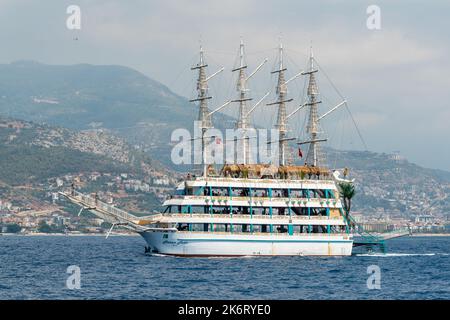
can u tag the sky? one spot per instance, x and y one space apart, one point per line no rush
396 79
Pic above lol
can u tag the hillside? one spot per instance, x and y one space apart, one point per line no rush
36 164
84 96
36 160
389 184
31 152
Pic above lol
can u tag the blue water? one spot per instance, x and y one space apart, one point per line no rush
117 268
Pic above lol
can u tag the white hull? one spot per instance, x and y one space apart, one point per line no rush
221 244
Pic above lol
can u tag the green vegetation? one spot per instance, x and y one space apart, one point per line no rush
347 191
106 225
22 164
46 228
13 228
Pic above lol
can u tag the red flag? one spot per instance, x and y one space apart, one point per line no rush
300 154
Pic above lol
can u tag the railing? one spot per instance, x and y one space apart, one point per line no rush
366 237
312 235
259 180
94 203
395 234
244 216
291 201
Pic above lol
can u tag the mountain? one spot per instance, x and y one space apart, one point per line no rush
79 95
85 96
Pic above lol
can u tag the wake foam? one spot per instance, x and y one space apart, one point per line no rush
400 254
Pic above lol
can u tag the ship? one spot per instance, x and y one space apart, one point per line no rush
246 208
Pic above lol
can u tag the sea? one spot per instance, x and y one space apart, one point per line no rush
93 267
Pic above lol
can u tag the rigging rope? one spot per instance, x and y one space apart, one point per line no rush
346 105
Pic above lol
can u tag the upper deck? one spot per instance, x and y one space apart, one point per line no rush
225 182
264 176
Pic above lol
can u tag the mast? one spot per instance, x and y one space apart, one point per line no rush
244 113
242 89
312 157
204 117
281 91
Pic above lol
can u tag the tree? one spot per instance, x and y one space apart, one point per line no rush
106 225
44 227
13 228
347 192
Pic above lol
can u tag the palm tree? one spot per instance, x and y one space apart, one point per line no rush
347 191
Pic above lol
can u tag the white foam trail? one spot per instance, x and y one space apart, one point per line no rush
399 254
157 255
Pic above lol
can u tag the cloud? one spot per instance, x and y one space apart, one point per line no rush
370 120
